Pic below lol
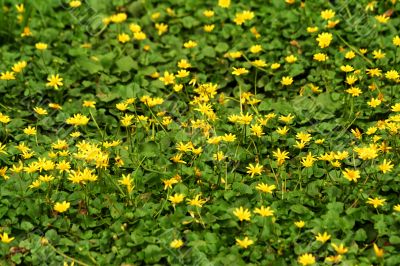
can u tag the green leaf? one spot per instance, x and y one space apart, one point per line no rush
126 63
152 254
89 65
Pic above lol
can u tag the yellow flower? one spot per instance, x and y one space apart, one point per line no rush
351 79
264 212
182 73
280 156
209 28
392 75
139 35
259 63
308 161
208 13
321 57
41 46
346 68
322 237
382 18
354 91
286 81
245 243
5 238
7 75
19 66
374 102
20 8
90 104
334 259
306 259
378 54
312 29
168 78
242 214
254 169
190 44
341 249
300 224
176 243
386 166
177 198
351 175
162 28
275 65
75 4
349 55
255 49
327 14
77 120
61 206
123 38
396 40
224 3
324 39
291 59
183 63
196 201
239 71
374 72
54 81
378 251
376 202
169 182
4 118
127 181
30 130
397 208
266 188
40 111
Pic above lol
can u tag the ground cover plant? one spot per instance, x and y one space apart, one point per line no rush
199 132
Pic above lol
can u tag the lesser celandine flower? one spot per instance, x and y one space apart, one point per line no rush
392 75
351 175
341 249
324 39
264 211
322 237
242 214
190 44
61 206
224 3
123 38
197 201
300 224
244 243
382 18
254 169
378 251
176 198
75 3
286 81
5 238
306 259
161 27
7 75
41 46
376 202
266 188
176 243
54 81
396 40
